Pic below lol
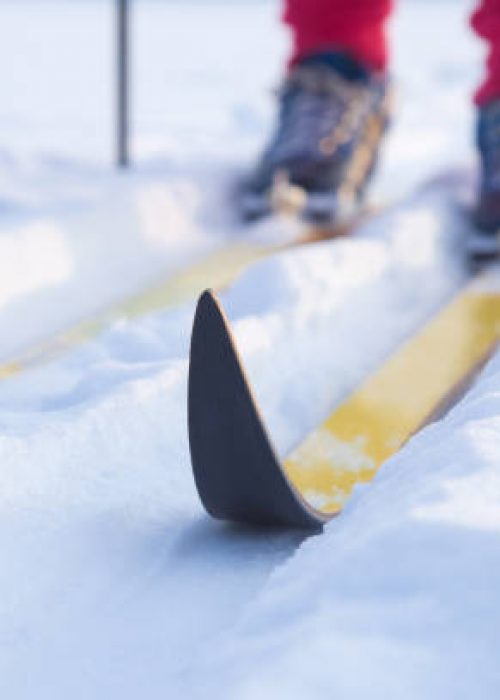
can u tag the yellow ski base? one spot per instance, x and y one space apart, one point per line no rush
410 388
216 270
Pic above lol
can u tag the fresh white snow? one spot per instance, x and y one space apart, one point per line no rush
114 583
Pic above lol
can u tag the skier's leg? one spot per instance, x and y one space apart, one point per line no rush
333 111
486 22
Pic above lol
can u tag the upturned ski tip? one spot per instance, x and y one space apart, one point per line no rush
236 470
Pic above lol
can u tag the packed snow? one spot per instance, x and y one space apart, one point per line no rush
114 582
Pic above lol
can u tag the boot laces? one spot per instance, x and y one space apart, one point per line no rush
320 112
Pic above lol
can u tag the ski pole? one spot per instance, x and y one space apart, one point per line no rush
122 107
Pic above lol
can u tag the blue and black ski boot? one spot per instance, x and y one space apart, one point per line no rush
333 113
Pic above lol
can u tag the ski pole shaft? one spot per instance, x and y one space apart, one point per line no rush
122 131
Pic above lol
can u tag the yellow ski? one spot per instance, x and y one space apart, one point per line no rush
238 475
217 269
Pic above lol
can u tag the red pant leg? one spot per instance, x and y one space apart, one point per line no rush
354 26
486 22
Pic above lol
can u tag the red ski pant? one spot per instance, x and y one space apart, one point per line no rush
358 27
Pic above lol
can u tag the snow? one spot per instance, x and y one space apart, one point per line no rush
114 583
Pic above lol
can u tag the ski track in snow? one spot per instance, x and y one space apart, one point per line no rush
111 556
114 583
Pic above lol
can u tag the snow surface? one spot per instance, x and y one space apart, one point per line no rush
113 581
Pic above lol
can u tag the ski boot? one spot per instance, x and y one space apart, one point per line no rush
485 240
333 113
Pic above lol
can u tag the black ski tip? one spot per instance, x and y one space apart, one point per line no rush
236 470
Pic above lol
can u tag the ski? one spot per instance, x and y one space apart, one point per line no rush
238 474
216 269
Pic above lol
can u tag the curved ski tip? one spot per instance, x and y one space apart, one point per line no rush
210 326
206 301
208 310
237 472
207 297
